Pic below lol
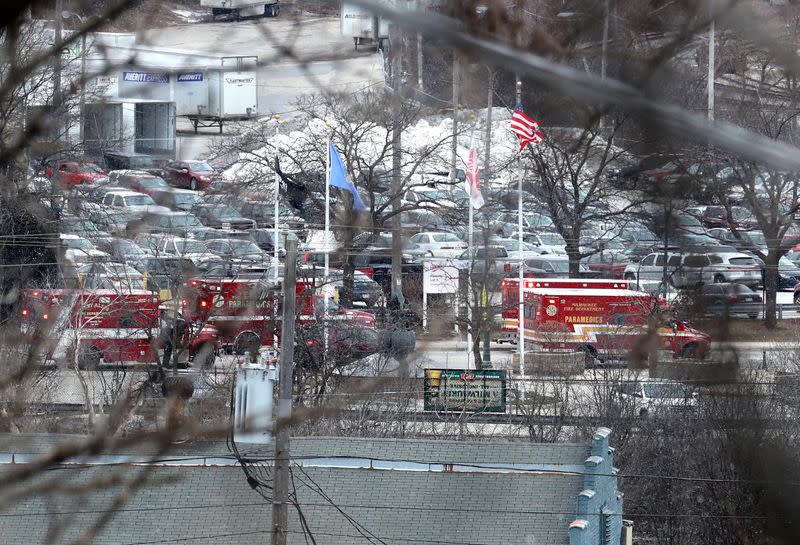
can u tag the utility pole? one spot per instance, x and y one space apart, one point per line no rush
604 52
420 59
58 27
488 143
454 144
280 483
397 160
711 61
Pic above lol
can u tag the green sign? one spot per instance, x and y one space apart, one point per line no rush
465 390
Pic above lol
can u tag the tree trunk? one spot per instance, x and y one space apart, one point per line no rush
574 254
771 288
348 271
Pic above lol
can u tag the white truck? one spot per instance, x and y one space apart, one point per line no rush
241 8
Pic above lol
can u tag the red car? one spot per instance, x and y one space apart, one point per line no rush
189 174
68 174
142 183
608 264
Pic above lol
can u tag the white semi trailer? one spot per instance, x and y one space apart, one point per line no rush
241 8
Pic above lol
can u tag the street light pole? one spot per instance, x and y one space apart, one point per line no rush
82 100
276 210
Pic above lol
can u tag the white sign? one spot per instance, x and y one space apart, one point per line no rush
437 278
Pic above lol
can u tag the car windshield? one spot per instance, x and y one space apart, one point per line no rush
434 195
77 243
201 167
787 264
666 391
552 239
755 237
739 213
153 182
185 199
223 211
689 221
184 220
185 246
90 169
538 220
138 200
127 247
446 237
244 247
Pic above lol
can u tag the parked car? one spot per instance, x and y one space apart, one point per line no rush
435 244
180 224
79 250
696 269
365 290
194 250
222 217
345 344
238 250
133 202
68 174
81 226
111 276
177 199
646 397
512 247
547 267
192 175
546 242
113 221
209 233
724 299
499 262
143 183
121 249
264 214
166 272
123 160
717 216
608 264
265 239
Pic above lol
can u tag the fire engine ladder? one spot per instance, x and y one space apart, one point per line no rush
60 327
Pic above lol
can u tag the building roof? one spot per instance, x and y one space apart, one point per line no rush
346 488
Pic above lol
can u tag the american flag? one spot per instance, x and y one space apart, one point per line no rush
526 129
473 182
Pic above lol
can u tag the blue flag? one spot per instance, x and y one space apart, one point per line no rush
339 178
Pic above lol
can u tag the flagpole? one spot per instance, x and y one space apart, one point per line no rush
276 217
521 293
325 292
470 298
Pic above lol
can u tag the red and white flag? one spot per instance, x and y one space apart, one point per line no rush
473 181
526 129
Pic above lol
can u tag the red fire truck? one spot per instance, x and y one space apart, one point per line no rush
604 322
93 325
247 312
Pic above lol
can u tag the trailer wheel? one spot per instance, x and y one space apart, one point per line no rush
246 342
89 357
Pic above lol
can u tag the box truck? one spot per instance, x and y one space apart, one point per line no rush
234 9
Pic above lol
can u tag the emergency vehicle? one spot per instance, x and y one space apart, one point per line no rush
247 312
600 319
90 326
510 292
